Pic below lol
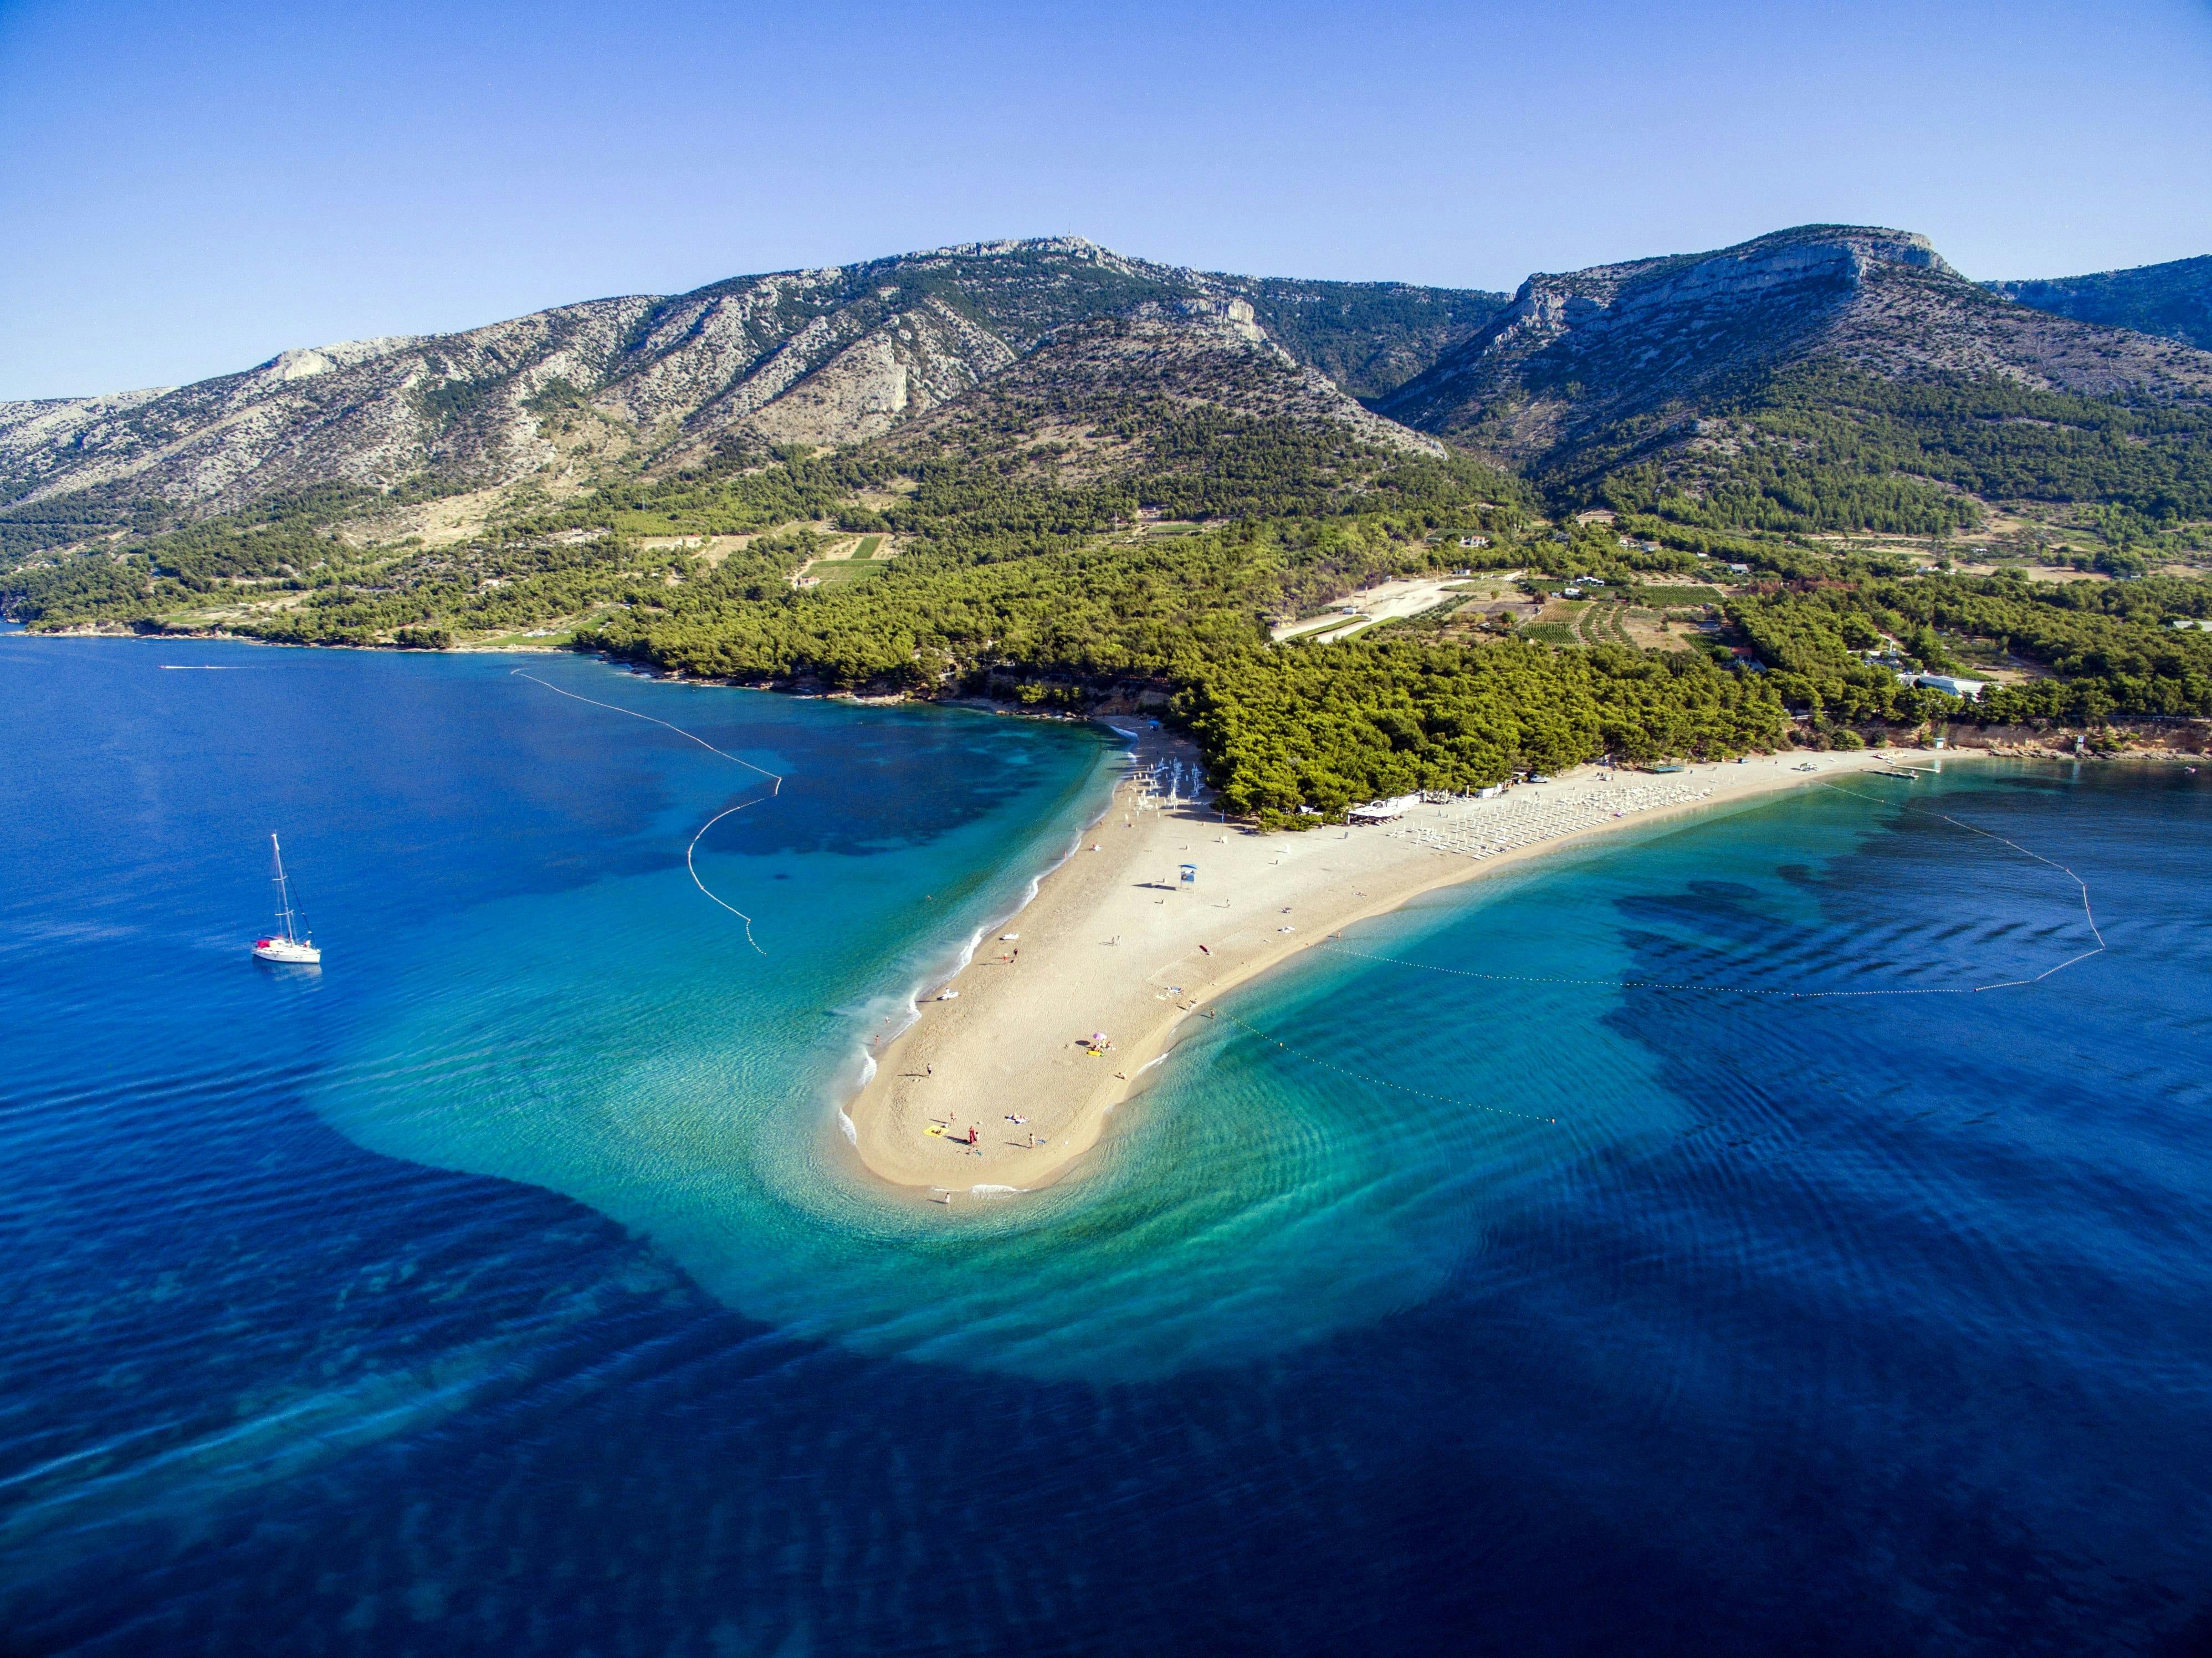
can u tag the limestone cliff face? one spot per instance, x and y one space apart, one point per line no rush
368 412
1575 351
2173 299
865 351
910 362
822 357
41 436
1085 381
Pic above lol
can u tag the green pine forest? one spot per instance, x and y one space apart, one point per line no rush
1144 562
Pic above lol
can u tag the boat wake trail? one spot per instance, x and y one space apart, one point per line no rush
690 861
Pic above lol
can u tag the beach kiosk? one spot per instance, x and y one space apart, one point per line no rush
1382 811
1190 875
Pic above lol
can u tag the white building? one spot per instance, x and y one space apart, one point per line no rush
1383 812
1969 688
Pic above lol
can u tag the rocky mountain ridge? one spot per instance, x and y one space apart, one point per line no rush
2173 299
1032 345
1120 374
1575 355
817 357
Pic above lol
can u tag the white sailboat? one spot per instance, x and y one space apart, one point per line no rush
290 943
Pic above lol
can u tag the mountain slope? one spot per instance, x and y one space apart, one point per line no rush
1094 388
1576 349
1369 337
1575 352
2174 301
821 357
1043 472
1801 375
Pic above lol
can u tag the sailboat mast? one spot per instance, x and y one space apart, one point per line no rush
284 892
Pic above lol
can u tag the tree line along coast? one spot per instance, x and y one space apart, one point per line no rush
1057 599
1815 554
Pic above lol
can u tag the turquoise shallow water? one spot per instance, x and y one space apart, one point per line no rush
618 1041
507 1284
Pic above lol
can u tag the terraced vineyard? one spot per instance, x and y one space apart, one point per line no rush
1599 624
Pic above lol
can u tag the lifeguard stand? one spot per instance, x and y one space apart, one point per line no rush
1190 875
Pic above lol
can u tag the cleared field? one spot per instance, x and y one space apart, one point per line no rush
555 638
1388 601
1646 630
1339 629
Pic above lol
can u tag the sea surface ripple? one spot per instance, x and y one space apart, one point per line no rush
508 1285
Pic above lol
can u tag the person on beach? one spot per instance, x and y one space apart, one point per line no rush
927 1069
972 1133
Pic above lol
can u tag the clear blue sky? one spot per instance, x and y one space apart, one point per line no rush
189 189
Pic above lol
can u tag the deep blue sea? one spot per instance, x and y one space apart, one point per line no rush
505 1286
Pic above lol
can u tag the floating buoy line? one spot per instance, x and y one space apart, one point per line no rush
776 779
1782 994
2088 916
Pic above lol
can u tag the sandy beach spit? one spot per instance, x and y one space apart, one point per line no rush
1000 1084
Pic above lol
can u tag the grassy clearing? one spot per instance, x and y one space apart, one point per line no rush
533 639
1343 629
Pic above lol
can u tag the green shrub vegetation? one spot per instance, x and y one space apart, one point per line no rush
2098 649
1331 726
1830 448
1036 571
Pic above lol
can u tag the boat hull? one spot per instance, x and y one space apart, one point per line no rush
287 953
